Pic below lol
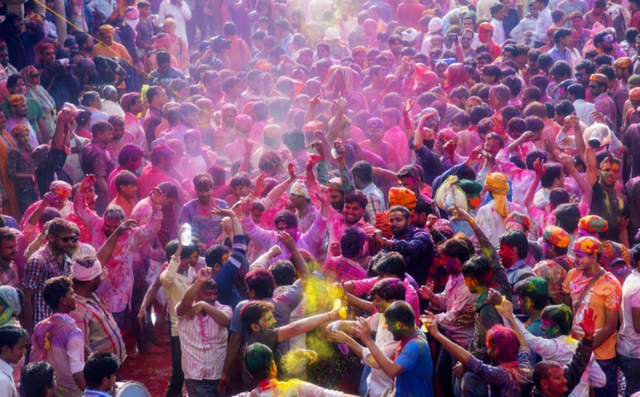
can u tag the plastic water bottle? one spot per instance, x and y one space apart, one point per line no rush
185 236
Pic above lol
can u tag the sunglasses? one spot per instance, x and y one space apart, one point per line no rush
580 75
73 239
466 38
35 75
594 86
607 38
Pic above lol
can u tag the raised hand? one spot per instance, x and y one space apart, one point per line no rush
319 147
339 336
260 186
426 291
506 308
475 157
88 182
494 297
248 145
340 150
361 330
539 168
322 194
340 103
223 211
157 197
127 225
291 168
204 274
49 199
588 323
567 161
287 240
460 215
312 160
315 100
408 105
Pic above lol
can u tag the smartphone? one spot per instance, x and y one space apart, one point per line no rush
25 21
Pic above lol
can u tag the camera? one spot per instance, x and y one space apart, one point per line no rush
453 37
219 44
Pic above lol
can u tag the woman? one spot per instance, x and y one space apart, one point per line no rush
177 46
340 82
36 91
7 189
35 115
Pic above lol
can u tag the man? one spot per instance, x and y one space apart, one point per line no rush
165 73
110 102
589 287
176 279
92 315
412 367
259 362
18 114
629 335
13 346
213 86
50 261
416 246
346 266
543 23
58 340
555 246
485 36
58 77
109 48
491 216
606 202
117 287
624 70
576 94
466 39
603 42
21 43
38 380
100 373
203 337
96 160
131 104
563 39
129 159
8 253
156 98
305 210
497 15
355 206
514 248
205 225
363 179
377 145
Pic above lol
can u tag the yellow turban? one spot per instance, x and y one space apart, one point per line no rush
497 184
106 29
402 196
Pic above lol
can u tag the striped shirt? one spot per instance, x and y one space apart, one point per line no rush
98 326
204 345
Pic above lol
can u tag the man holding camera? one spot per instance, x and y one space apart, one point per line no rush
20 43
57 77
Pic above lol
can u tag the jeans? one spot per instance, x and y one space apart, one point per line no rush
610 369
631 373
177 376
202 388
362 390
444 372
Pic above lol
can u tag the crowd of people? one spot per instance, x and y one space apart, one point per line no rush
325 197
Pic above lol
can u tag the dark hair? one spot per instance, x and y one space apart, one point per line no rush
169 189
258 359
252 312
293 140
153 92
462 118
513 83
542 370
356 196
478 268
99 365
55 289
229 82
283 272
352 241
635 253
551 173
560 68
163 57
261 282
400 312
536 289
518 240
455 248
391 263
100 127
286 216
559 196
128 153
363 171
561 315
517 124
202 181
215 253
10 335
507 341
6 234
402 210
187 250
478 113
389 289
125 178
577 90
37 378
241 179
492 70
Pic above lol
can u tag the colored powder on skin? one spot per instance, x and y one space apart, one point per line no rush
294 364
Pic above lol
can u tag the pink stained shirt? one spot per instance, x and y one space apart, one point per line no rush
117 288
362 287
337 227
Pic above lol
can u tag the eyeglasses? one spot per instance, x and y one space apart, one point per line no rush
35 75
580 75
594 86
607 38
73 239
466 38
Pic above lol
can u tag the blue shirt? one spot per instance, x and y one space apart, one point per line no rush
416 379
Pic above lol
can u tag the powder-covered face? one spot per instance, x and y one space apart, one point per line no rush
609 173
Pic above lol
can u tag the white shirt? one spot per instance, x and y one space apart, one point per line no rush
180 14
583 111
204 345
543 23
493 224
628 339
499 35
112 108
316 8
525 25
7 385
378 380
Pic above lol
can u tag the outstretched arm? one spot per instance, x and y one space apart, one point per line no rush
305 325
